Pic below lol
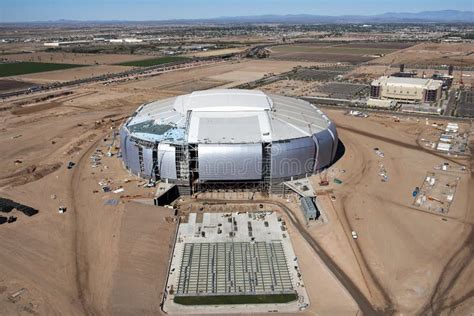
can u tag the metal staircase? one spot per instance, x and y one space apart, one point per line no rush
140 159
267 167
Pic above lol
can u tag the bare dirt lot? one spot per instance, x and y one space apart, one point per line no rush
10 85
327 53
98 258
73 58
382 45
222 75
431 54
394 248
146 238
72 74
218 52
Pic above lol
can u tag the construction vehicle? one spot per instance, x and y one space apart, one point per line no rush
452 184
323 177
416 191
431 198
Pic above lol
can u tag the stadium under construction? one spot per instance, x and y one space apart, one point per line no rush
227 139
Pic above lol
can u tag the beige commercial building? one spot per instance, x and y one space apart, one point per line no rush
406 90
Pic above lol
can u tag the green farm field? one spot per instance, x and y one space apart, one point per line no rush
21 68
154 61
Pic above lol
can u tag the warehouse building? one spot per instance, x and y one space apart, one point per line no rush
407 90
218 139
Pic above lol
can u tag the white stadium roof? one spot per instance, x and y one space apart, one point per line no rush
223 100
227 116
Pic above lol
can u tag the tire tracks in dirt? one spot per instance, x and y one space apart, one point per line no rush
371 280
397 143
363 264
81 265
460 259
451 273
453 270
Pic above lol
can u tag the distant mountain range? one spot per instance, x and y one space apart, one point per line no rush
389 17
444 16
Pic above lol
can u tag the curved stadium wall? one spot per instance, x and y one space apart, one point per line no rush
227 136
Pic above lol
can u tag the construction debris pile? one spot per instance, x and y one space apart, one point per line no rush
96 158
383 172
436 192
448 168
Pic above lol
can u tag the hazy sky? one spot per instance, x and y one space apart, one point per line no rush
42 10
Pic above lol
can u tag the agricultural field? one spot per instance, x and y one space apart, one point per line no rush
218 52
385 45
72 73
333 50
352 53
10 85
431 54
20 68
155 61
73 58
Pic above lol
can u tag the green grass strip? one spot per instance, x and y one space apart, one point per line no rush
235 299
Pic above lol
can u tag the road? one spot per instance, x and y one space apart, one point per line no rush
451 103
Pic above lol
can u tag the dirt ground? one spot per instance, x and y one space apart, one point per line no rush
431 54
329 52
80 262
10 85
405 254
71 74
223 75
294 88
146 239
217 52
74 58
257 70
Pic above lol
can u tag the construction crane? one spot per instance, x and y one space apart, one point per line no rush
388 67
